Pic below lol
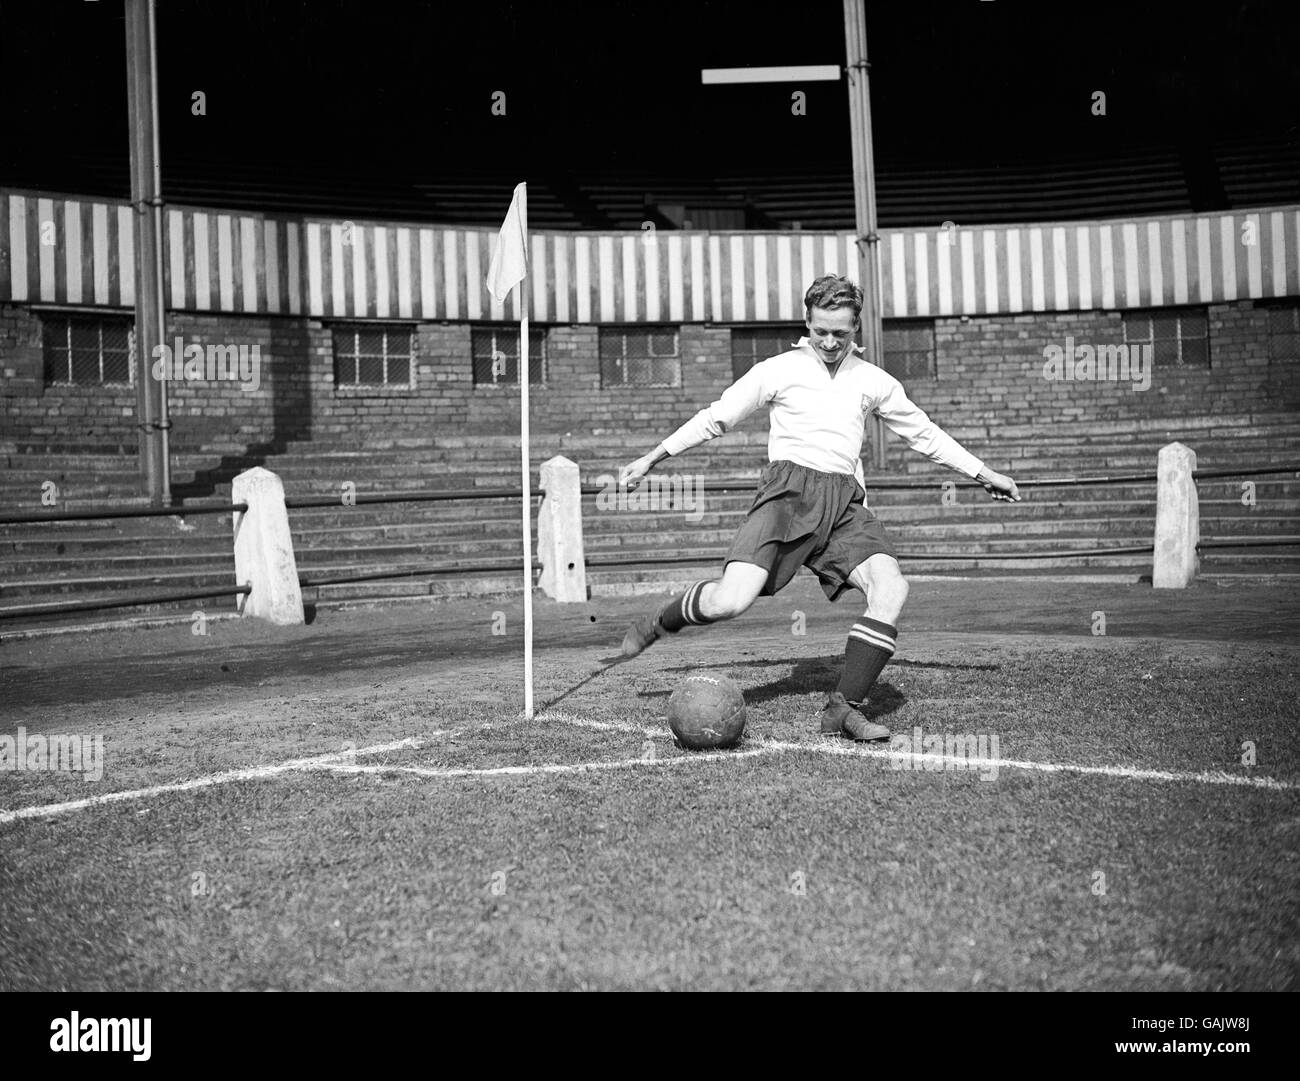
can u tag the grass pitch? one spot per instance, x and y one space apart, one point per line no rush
374 814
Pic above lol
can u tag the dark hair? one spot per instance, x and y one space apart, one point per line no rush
832 291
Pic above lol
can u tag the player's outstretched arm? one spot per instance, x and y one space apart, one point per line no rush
998 485
737 402
906 419
634 472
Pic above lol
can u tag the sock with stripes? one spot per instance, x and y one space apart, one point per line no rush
871 644
684 611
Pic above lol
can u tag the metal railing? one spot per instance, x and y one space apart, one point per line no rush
511 567
176 596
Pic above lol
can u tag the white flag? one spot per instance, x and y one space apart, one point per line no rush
509 262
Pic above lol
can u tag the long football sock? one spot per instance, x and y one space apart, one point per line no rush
684 611
871 644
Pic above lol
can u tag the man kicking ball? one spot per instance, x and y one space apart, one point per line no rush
809 509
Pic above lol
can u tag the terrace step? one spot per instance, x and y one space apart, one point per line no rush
118 558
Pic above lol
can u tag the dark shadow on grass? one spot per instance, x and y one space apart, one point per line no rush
609 663
943 664
808 675
837 661
820 676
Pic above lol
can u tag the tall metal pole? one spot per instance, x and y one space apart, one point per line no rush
146 201
156 201
864 197
526 509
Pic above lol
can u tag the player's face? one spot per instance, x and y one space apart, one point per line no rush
831 332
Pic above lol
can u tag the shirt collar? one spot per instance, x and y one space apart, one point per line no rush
855 350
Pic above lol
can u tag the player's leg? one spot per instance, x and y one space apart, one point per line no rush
732 594
873 638
860 554
705 602
881 579
753 566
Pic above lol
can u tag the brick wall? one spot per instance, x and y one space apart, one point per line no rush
993 369
71 417
204 414
572 399
987 369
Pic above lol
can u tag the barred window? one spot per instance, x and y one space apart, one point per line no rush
639 357
908 347
1284 331
374 355
88 350
495 350
1176 335
749 345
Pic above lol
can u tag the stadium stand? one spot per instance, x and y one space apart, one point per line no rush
102 559
1245 171
93 467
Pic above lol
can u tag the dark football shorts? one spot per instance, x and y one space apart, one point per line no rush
803 517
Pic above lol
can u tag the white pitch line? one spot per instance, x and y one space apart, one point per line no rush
602 726
1128 772
761 747
840 748
553 767
254 773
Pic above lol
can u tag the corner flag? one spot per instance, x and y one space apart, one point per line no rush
507 269
509 263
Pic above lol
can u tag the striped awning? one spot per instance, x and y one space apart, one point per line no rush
59 250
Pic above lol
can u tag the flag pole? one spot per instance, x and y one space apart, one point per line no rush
508 274
526 510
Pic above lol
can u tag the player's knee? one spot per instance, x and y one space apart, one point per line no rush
889 588
725 602
727 606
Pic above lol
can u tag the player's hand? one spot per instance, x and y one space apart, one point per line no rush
633 473
999 486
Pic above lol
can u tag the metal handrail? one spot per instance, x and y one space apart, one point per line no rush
89 513
303 502
55 608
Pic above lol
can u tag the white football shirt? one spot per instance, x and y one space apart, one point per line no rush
818 420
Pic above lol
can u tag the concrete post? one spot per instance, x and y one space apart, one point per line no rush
559 532
1178 518
264 549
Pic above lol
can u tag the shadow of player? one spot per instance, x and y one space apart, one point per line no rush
808 675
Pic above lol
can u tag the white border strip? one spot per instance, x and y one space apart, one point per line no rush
796 73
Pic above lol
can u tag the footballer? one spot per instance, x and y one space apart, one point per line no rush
809 510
